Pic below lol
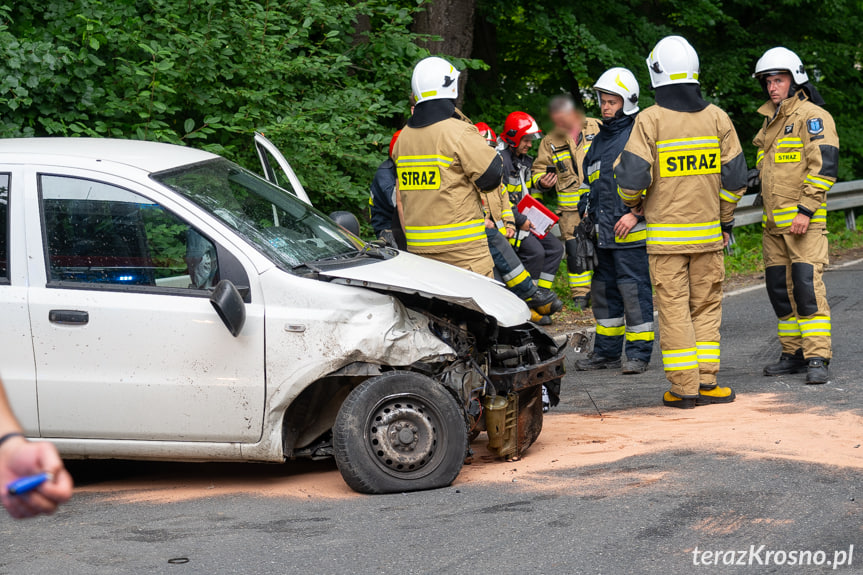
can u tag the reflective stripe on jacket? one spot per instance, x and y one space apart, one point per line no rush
687 170
436 167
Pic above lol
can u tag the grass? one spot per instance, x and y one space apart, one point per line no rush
746 257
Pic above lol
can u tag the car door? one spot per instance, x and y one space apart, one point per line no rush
17 367
127 343
276 168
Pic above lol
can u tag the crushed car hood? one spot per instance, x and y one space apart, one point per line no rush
408 273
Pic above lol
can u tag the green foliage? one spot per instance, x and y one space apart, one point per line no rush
208 73
544 48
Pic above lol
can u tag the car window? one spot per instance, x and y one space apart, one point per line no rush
283 227
97 233
4 227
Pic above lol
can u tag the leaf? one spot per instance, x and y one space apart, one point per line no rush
94 43
189 125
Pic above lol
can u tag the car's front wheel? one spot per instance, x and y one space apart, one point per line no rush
398 432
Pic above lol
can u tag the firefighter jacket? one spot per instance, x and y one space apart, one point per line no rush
382 198
566 155
442 165
798 156
687 170
517 179
498 208
602 201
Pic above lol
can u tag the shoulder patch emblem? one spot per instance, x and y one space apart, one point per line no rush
789 128
815 126
589 137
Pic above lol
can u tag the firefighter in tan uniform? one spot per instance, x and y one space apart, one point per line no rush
564 149
442 167
798 157
684 167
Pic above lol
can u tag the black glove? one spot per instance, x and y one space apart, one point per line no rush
581 249
753 185
388 238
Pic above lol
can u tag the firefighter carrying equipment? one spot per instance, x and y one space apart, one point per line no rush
566 154
434 79
673 61
675 165
442 165
620 82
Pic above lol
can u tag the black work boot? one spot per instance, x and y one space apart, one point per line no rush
545 302
787 364
582 302
595 362
817 371
631 366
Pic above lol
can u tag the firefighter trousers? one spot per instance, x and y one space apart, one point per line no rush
689 298
793 271
541 258
579 284
507 267
623 304
472 256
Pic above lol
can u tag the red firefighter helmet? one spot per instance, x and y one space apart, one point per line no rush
393 142
520 125
486 132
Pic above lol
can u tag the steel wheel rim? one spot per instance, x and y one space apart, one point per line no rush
405 436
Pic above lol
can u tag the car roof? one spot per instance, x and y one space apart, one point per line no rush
148 156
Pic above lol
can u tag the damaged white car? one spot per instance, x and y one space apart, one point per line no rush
161 302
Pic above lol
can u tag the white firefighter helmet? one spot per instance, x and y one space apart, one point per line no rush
622 82
780 59
673 61
434 79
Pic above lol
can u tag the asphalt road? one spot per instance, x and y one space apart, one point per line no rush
641 509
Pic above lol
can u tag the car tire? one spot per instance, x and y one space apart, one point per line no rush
399 432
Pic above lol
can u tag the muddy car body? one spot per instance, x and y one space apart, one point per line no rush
164 303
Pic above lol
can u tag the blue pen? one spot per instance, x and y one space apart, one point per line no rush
28 484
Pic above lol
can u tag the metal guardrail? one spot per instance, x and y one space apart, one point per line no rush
845 196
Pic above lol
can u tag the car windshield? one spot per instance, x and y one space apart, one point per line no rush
287 230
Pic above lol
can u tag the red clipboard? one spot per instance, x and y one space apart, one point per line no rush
530 202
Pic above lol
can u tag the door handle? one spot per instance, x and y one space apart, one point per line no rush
68 317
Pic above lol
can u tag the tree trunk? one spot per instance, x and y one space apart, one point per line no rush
452 20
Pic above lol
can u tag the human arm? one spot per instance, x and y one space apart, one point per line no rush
21 458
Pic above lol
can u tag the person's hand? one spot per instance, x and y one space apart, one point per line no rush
638 210
20 458
510 232
726 238
626 222
800 224
489 225
548 181
526 226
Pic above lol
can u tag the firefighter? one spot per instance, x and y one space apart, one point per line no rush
382 202
798 155
621 289
684 168
443 166
499 229
541 257
563 149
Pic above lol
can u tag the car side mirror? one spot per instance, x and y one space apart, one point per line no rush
228 303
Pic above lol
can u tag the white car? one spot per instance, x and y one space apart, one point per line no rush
161 302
